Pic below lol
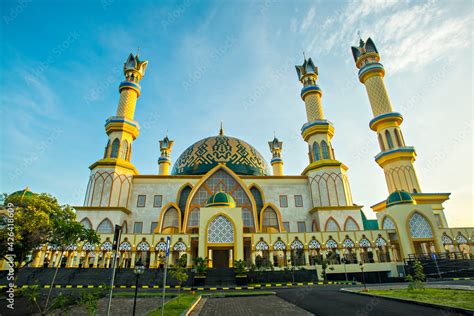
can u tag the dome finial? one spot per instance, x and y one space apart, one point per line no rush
221 131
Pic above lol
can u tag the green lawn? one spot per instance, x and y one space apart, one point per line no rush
447 297
172 308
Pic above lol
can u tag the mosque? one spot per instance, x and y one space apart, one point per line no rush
222 201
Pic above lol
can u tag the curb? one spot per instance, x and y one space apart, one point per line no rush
192 307
184 288
443 307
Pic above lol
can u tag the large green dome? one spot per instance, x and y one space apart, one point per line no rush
207 153
399 197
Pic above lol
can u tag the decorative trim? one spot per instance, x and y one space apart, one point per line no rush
103 209
394 117
323 163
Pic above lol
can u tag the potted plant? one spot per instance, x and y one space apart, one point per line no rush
200 266
240 270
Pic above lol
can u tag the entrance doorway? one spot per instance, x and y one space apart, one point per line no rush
220 258
424 247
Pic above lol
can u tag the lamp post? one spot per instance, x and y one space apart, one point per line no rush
139 269
363 275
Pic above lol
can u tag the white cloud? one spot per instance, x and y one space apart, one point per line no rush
308 20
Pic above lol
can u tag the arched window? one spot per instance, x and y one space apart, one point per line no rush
124 227
170 221
106 149
316 151
115 148
257 195
270 220
124 150
389 139
324 150
382 147
86 223
419 227
332 226
183 198
388 223
351 224
105 227
398 138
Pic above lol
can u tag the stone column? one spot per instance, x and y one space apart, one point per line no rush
231 258
96 259
253 256
210 258
270 257
189 260
132 264
41 259
306 257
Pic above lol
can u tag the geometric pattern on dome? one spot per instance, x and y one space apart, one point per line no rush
461 239
388 223
222 181
161 246
351 225
296 245
380 242
279 245
143 246
446 240
347 243
180 246
364 243
220 231
419 227
331 244
314 244
125 246
205 154
106 246
261 246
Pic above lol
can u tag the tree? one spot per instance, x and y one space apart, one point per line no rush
324 267
179 274
66 231
418 278
31 222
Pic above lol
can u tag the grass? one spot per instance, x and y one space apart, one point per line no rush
447 297
172 308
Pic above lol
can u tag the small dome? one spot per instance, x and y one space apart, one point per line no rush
399 197
22 193
221 199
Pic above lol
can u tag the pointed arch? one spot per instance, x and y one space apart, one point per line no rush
388 223
398 138
240 189
124 150
258 195
221 229
105 227
124 227
351 224
86 223
316 154
332 224
382 146
324 150
182 198
419 226
164 210
115 148
273 207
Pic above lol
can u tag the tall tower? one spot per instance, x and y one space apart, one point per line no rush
164 161
328 181
122 130
395 157
277 163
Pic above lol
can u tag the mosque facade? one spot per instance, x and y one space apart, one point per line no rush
222 201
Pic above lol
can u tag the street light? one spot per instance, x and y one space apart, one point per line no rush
139 269
363 276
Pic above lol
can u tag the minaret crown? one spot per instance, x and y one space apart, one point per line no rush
165 147
307 73
134 68
365 53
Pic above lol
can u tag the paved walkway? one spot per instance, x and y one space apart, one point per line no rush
250 305
120 306
330 301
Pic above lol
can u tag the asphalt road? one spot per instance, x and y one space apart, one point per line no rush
329 300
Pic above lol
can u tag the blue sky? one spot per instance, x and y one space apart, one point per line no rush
233 61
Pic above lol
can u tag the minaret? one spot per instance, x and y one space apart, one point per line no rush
277 163
164 161
318 132
395 157
122 130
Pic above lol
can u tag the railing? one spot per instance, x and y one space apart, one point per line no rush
437 256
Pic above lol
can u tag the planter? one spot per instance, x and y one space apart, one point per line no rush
199 280
241 279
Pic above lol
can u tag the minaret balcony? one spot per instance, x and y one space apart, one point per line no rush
391 119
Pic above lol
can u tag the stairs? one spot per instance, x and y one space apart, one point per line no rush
220 277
